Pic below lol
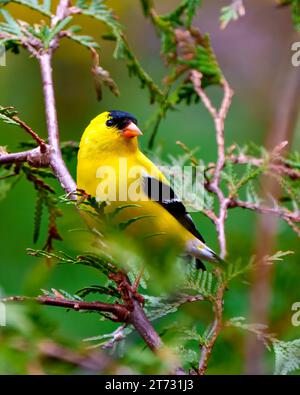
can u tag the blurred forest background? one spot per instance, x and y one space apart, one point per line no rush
254 53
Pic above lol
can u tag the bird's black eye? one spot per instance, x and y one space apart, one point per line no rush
109 122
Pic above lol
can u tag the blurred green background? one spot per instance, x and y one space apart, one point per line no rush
254 55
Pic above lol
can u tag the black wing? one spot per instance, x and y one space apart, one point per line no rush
164 195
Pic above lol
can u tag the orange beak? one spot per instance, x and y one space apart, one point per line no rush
132 131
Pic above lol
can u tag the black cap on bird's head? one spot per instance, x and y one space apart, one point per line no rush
123 121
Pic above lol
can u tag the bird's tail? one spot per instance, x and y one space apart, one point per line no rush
201 251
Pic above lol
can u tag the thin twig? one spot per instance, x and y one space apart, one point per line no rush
213 186
140 322
33 134
293 226
62 11
118 310
215 330
281 212
219 117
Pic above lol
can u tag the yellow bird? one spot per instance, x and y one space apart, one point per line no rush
112 168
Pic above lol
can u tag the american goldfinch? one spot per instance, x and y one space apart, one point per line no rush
112 168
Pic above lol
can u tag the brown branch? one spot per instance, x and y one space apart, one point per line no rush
218 116
281 212
277 166
118 310
132 314
140 322
56 161
215 330
54 152
37 157
17 157
33 157
219 120
33 134
117 336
